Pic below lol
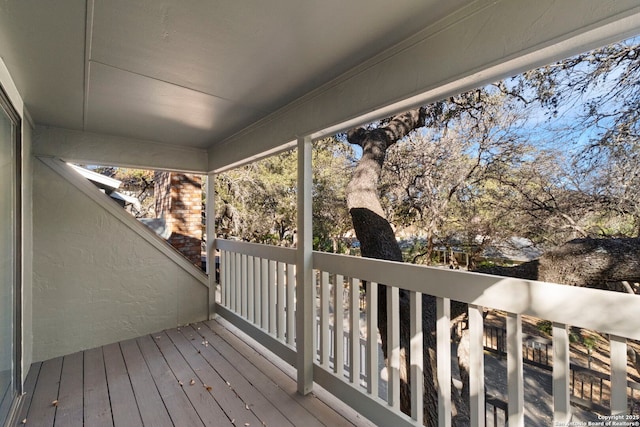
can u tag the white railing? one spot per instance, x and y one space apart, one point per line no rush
257 289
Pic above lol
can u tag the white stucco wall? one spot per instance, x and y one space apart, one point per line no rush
95 280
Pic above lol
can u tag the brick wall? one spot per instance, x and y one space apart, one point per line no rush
179 202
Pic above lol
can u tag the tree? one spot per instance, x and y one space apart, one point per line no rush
257 202
595 96
546 196
332 166
377 240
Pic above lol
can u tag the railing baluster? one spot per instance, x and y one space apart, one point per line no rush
338 326
238 282
250 290
291 305
264 294
515 370
618 348
243 285
280 325
228 275
443 336
223 279
372 338
257 289
417 359
561 377
273 291
232 281
325 333
354 331
393 351
476 366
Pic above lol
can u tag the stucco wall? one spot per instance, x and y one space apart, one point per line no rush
95 280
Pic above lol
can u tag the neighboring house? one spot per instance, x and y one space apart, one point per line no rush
108 186
202 87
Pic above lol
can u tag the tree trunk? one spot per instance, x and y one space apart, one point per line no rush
377 240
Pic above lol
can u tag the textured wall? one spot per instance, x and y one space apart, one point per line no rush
95 280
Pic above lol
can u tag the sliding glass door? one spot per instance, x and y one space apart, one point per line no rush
9 257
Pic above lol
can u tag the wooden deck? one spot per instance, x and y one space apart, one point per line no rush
203 374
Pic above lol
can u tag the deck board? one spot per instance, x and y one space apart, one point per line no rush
177 403
70 409
198 393
97 411
150 404
123 402
296 414
230 402
29 387
254 399
43 408
137 383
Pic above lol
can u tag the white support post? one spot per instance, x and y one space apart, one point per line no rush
417 358
443 337
561 375
304 270
211 242
476 366
515 370
618 355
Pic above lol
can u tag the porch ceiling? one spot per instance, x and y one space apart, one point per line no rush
190 72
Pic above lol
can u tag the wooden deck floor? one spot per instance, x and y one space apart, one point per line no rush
202 374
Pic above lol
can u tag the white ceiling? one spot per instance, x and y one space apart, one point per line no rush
190 72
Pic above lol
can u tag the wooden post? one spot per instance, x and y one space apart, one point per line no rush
304 265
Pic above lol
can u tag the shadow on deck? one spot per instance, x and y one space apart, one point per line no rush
203 374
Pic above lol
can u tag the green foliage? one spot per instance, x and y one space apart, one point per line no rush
257 202
544 326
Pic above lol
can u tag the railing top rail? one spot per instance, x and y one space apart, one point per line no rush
275 253
609 312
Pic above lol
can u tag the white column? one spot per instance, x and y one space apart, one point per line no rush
304 279
211 242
